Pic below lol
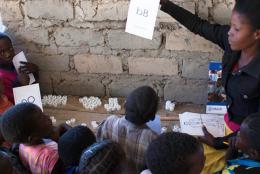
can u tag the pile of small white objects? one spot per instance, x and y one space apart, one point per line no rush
112 105
169 106
53 100
94 124
71 122
163 129
176 128
53 120
83 124
90 102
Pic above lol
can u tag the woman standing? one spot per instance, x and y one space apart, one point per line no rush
240 63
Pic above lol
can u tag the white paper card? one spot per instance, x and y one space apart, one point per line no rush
29 93
155 124
20 57
142 17
191 123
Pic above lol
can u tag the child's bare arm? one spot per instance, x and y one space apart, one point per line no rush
28 68
23 79
58 131
232 151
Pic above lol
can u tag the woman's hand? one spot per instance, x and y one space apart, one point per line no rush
208 138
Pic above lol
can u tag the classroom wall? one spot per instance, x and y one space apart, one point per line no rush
82 49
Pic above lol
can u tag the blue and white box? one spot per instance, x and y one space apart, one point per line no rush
216 103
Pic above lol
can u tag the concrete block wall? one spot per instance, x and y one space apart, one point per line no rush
82 49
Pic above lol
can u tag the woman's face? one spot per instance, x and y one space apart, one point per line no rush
241 34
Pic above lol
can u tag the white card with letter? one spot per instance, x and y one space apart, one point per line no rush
142 17
28 94
20 57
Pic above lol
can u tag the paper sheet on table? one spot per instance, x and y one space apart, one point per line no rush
155 124
142 17
16 61
28 94
191 123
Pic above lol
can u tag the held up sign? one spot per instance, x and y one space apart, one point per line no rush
142 17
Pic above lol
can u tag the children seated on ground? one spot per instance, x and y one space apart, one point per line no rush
26 124
102 158
248 142
131 131
174 153
8 73
71 145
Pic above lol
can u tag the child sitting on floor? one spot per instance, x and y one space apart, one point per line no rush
248 142
131 131
174 153
71 145
26 124
8 73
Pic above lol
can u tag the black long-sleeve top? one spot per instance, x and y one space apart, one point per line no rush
243 86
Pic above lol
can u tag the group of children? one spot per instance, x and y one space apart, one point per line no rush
29 143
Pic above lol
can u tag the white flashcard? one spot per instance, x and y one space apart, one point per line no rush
142 17
20 57
28 94
192 123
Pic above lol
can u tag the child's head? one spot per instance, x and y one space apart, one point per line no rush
72 143
141 105
248 138
174 152
25 123
6 49
101 157
5 164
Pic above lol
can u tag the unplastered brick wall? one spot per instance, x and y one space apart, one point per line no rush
82 49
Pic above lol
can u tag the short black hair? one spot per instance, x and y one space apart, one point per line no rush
169 153
72 143
249 9
253 124
5 36
19 122
101 158
141 105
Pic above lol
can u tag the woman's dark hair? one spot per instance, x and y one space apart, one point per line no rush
169 153
141 105
253 130
251 10
19 122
